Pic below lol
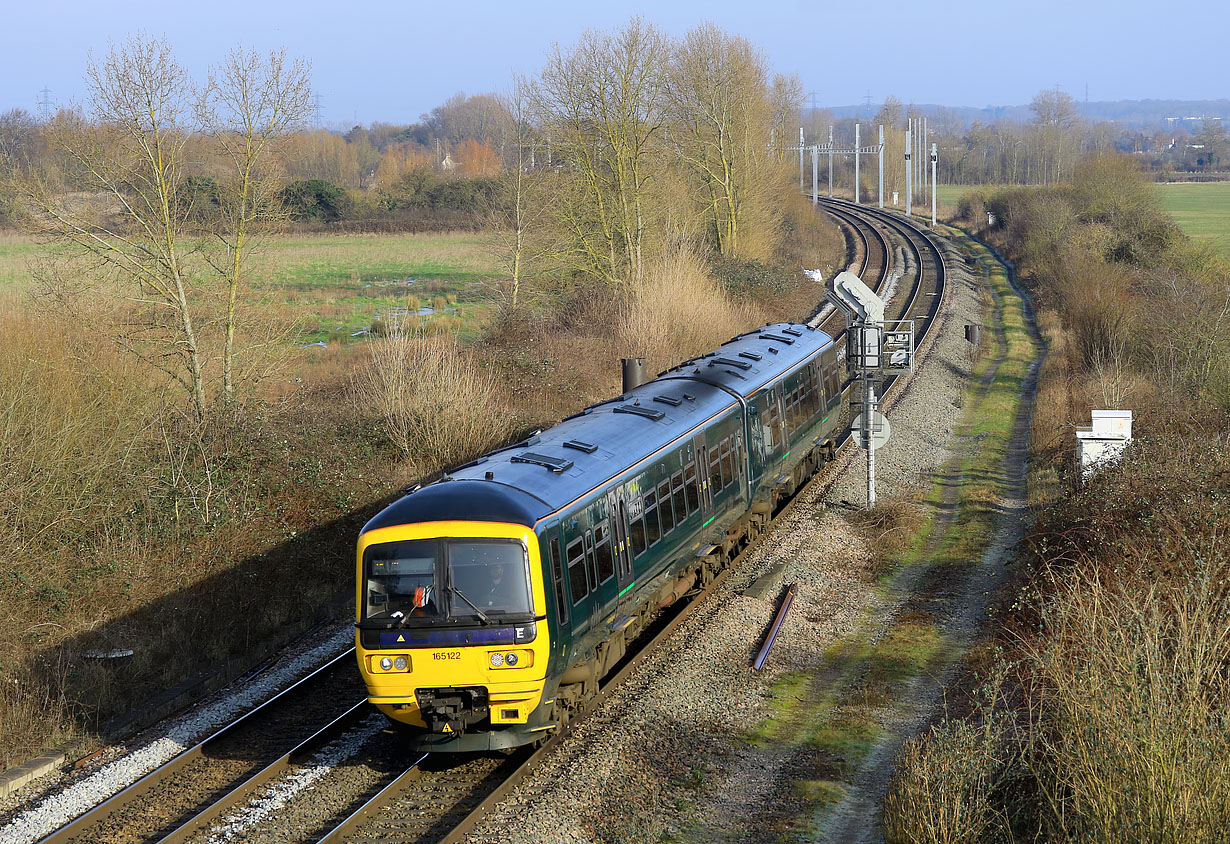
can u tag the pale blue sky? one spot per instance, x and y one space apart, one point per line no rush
393 61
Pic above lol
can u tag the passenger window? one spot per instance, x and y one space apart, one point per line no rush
602 553
653 528
727 473
636 537
664 507
693 490
715 473
681 503
593 560
576 571
557 574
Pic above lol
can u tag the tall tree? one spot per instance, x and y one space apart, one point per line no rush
251 102
720 116
601 106
142 100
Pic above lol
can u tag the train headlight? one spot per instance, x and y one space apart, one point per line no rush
509 659
400 663
497 660
386 664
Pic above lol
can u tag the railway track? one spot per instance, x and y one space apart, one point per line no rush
439 798
173 801
392 814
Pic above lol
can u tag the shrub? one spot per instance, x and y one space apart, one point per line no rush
432 400
942 790
679 312
1132 726
315 199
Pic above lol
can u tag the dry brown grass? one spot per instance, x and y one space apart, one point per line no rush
76 428
1132 727
678 312
435 402
892 526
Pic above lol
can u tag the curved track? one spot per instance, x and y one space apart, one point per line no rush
437 799
393 810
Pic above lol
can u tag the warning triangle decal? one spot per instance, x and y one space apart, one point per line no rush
447 729
400 637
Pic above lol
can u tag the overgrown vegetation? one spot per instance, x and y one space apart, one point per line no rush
197 504
1099 708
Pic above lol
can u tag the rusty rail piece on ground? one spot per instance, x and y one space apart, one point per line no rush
782 609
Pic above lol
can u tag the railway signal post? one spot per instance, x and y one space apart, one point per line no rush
864 312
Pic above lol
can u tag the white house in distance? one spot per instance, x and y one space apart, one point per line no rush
1104 440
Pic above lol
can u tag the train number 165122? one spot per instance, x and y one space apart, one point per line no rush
447 655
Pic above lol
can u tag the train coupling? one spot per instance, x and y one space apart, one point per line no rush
452 710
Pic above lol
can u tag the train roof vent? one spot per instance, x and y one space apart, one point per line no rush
555 464
581 445
751 355
779 338
647 412
671 400
741 364
793 331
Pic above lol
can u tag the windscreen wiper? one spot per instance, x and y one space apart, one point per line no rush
459 594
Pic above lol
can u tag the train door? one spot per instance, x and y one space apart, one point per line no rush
702 469
620 546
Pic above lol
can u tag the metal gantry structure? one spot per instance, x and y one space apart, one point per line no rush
830 149
916 157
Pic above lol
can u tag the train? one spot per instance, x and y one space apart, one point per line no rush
491 603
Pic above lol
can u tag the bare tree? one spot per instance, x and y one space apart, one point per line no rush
142 100
720 116
601 104
522 206
250 103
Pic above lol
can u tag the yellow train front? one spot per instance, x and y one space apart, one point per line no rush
451 637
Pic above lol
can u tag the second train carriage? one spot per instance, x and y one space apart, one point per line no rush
491 602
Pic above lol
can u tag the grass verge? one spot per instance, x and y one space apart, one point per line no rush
843 711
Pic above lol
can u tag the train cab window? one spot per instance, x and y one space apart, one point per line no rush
681 502
401 578
653 528
487 578
693 488
557 573
577 581
665 509
602 553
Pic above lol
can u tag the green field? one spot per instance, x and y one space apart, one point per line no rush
336 285
946 197
1202 209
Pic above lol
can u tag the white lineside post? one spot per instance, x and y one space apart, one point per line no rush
815 178
923 151
856 143
881 157
830 162
869 441
909 170
933 157
918 158
800 159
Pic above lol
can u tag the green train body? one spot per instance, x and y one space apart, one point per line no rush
618 512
